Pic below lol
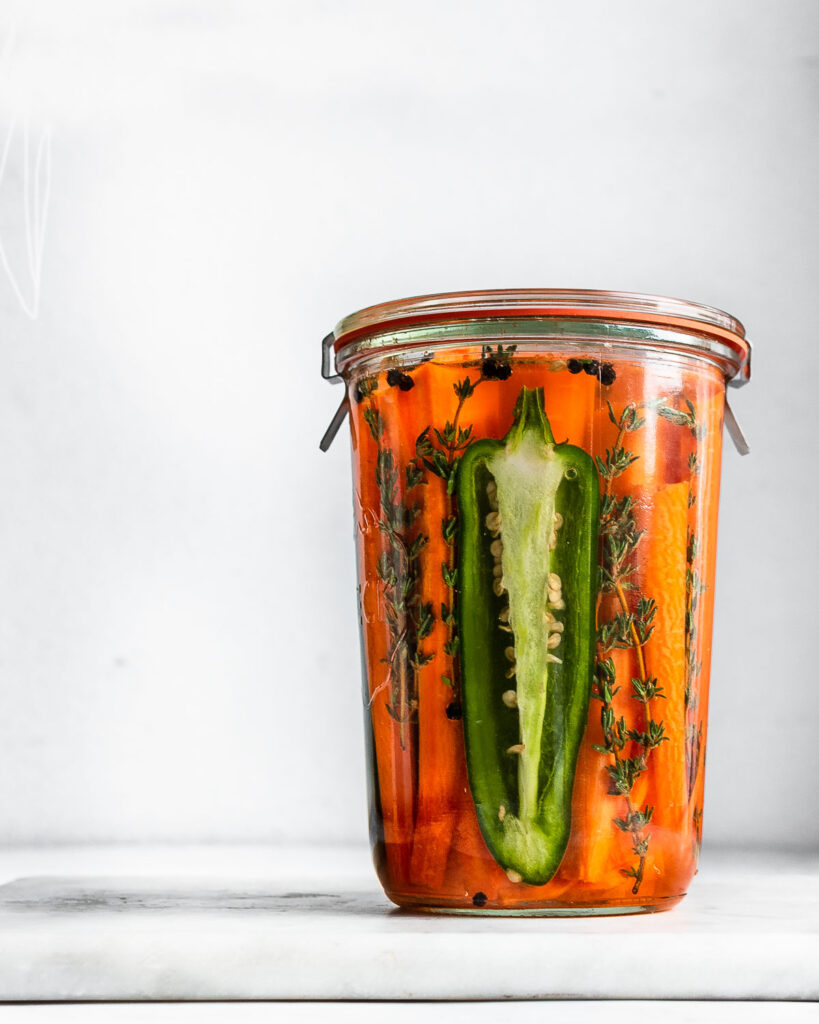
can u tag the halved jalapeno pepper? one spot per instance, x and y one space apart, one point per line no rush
527 575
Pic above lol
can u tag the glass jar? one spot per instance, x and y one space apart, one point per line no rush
536 480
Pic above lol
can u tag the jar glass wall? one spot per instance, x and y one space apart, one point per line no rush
536 496
653 427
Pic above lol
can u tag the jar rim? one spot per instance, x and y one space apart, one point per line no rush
692 318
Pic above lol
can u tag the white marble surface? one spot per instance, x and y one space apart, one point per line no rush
257 923
561 1012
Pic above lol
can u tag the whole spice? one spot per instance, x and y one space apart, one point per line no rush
605 372
528 538
399 379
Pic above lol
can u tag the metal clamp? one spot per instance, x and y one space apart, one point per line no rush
333 378
735 431
731 425
327 359
743 374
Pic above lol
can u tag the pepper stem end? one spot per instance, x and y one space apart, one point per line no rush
530 415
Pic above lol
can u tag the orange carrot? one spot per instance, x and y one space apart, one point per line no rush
470 867
394 761
665 659
570 403
440 737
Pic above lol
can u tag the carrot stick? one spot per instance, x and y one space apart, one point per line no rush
440 737
665 658
570 403
393 761
470 867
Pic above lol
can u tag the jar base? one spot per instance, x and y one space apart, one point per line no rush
601 909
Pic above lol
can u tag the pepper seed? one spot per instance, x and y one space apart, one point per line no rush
496 548
516 748
498 588
493 522
554 581
501 812
510 653
553 641
513 876
510 698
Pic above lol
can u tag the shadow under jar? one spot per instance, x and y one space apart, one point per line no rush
536 481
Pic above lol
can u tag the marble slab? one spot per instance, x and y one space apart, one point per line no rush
312 924
563 1012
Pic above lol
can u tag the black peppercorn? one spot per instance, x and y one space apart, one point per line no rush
496 369
574 366
358 394
607 374
592 367
453 711
479 899
398 379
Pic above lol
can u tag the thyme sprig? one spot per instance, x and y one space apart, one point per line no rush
409 618
628 627
632 627
682 417
694 589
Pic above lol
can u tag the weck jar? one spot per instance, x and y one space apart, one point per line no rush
536 480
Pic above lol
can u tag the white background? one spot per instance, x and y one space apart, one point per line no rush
178 634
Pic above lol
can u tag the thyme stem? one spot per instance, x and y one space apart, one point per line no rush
408 618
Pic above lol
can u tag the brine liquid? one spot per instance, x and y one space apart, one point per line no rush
409 427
